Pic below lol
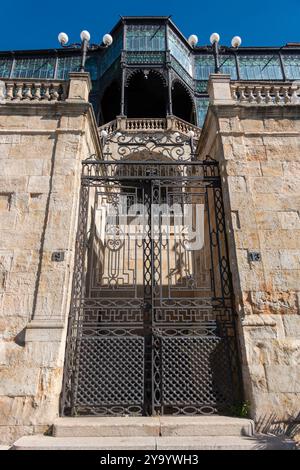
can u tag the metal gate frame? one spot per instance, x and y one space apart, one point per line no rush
166 355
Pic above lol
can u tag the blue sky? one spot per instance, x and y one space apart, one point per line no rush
35 25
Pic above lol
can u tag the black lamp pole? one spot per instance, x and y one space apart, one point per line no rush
84 45
215 48
84 49
214 40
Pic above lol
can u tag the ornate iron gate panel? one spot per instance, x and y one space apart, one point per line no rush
151 328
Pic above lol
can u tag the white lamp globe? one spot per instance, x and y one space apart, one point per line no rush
191 134
103 134
236 41
85 36
215 37
63 38
193 40
107 40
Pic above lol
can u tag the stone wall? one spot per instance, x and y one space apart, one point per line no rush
258 147
42 144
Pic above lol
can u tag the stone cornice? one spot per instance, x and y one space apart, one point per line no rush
255 110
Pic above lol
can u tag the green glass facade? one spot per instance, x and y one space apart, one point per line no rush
262 67
156 41
292 66
145 37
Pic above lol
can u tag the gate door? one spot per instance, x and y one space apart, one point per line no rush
151 329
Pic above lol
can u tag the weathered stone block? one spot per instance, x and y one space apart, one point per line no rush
292 327
290 259
267 220
290 169
237 183
289 220
18 381
38 184
283 378
237 168
274 302
258 377
272 168
266 184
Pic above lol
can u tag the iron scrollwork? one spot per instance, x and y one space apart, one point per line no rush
167 144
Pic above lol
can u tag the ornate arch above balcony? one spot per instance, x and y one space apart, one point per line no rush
146 93
181 96
131 72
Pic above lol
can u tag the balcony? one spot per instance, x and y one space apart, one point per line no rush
170 123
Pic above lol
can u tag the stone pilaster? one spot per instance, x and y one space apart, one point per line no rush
219 89
42 144
258 146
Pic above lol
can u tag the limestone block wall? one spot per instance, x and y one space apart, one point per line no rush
42 145
258 147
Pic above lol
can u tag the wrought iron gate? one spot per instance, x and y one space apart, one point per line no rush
151 328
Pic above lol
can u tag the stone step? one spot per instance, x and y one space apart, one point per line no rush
39 442
153 426
106 427
257 442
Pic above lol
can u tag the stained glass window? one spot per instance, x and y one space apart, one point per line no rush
292 66
34 68
263 67
201 106
66 65
180 52
5 67
145 37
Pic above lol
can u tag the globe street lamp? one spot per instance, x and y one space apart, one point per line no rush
84 45
214 40
193 40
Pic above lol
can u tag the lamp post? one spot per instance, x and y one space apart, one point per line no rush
84 45
214 40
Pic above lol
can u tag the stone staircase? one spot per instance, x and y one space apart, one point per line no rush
153 433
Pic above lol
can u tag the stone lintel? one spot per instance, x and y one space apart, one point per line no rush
44 330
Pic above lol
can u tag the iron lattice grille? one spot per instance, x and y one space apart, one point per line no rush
121 383
201 365
151 328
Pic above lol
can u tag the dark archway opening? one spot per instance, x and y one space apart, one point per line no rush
146 96
110 103
182 103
